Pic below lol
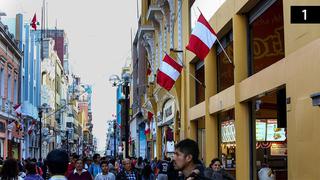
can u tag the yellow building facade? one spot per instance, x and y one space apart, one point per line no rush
259 112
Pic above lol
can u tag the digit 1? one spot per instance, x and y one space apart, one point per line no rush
304 14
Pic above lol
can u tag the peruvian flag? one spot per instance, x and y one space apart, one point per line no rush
147 129
150 116
148 71
34 22
168 72
31 127
202 38
17 109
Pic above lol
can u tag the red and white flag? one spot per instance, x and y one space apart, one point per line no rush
150 116
34 23
168 72
17 109
147 129
31 127
202 38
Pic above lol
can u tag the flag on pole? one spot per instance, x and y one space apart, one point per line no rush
202 38
17 109
168 72
150 116
147 129
31 127
34 23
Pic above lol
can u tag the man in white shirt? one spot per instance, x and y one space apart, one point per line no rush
105 175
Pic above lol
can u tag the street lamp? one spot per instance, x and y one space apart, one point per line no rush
124 82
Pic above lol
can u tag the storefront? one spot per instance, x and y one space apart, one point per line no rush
3 144
271 133
227 139
166 122
15 138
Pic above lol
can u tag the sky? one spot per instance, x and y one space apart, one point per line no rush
99 38
99 44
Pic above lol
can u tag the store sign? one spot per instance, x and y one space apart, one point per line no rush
267 130
168 112
261 129
167 115
278 149
228 132
273 132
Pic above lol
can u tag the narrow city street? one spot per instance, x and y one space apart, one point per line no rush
159 89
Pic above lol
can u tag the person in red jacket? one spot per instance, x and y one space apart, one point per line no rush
71 165
79 172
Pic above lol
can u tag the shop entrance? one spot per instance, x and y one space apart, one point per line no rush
269 135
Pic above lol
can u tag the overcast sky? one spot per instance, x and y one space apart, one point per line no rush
99 41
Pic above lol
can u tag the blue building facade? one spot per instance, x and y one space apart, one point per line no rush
30 83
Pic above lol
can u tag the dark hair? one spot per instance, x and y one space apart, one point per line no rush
75 156
9 169
189 147
79 159
215 160
95 156
31 167
104 162
146 172
57 161
112 161
139 162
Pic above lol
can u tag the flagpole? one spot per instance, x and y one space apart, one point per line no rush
225 53
221 45
191 75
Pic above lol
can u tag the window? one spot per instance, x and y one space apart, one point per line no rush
9 88
15 100
225 69
2 81
266 35
199 74
2 127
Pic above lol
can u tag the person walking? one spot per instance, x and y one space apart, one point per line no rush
105 175
186 160
163 167
31 171
95 168
10 170
147 173
216 172
128 173
79 173
57 162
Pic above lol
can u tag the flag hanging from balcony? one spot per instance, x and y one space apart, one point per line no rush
168 72
147 129
31 127
17 109
150 116
34 23
202 38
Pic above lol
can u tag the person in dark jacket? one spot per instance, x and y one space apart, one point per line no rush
215 172
128 173
186 160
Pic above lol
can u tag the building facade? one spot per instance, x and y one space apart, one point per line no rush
257 110
11 135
